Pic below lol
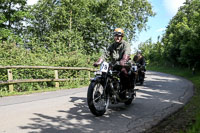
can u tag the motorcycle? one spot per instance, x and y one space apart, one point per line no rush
140 73
106 88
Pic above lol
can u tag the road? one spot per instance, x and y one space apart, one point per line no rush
66 111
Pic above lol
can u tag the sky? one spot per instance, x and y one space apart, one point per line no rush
31 2
165 10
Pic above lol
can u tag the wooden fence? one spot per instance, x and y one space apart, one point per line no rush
56 79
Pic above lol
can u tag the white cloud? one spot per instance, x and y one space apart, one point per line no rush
161 30
31 2
173 5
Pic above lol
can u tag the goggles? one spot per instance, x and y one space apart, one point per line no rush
118 34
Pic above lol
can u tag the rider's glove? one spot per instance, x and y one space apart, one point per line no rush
124 60
139 65
98 62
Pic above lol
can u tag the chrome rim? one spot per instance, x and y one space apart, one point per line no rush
99 98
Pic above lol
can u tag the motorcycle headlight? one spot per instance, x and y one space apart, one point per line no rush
98 73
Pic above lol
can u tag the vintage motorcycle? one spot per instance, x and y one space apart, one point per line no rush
106 88
140 73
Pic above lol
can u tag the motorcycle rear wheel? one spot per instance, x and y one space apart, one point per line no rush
129 101
97 99
141 82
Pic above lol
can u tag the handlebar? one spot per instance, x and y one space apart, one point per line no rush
118 64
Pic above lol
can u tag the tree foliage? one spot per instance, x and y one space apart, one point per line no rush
180 43
63 32
87 24
12 15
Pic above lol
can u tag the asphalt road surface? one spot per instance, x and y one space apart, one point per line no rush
66 111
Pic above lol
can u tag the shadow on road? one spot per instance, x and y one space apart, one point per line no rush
79 119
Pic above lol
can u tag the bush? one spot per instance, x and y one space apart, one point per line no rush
12 54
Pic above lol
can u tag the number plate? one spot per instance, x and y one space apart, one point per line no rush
134 68
104 67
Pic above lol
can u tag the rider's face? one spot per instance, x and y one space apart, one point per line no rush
118 38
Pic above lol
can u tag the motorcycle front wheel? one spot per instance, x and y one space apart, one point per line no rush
97 99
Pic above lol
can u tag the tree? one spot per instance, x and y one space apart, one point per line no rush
181 38
12 15
180 43
87 24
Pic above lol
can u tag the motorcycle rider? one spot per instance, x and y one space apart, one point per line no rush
140 60
120 51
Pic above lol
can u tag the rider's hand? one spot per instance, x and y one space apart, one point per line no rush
122 62
138 64
98 62
95 64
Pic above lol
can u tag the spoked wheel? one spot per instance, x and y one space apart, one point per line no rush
97 99
142 79
129 101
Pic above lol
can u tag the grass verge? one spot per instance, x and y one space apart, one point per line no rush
187 119
5 93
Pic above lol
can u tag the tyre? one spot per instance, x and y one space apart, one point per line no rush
129 101
142 79
141 82
97 100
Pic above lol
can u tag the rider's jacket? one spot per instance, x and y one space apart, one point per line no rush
116 51
139 60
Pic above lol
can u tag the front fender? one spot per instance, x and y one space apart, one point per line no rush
96 79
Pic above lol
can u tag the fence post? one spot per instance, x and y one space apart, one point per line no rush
10 77
89 76
77 79
56 77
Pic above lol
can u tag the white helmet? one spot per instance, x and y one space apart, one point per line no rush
139 52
